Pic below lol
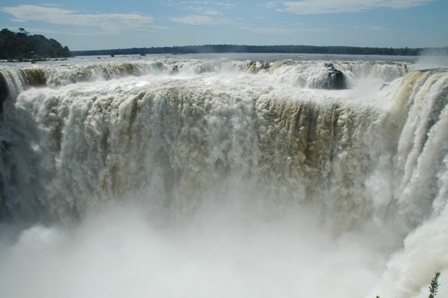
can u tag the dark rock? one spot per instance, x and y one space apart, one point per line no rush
384 86
336 78
3 92
175 70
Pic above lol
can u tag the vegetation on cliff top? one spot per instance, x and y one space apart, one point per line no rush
275 49
22 45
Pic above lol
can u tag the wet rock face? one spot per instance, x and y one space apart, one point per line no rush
3 92
336 79
4 146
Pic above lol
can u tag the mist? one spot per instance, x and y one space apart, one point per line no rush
122 251
432 59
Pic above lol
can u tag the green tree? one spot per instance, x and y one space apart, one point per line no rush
22 45
434 285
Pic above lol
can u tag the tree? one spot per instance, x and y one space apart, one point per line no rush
23 31
434 285
21 45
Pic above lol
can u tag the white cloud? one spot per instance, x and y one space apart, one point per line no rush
338 6
277 30
52 4
197 6
201 20
378 28
106 22
201 10
271 4
211 12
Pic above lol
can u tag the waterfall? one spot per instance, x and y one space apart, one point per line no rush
180 138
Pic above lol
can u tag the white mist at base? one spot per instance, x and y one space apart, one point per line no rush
121 252
425 253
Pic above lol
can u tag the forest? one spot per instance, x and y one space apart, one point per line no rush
295 49
22 45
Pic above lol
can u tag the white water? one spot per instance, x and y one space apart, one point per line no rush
206 177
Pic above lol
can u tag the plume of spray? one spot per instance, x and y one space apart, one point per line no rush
432 59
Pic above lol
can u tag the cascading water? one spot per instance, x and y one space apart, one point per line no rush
216 177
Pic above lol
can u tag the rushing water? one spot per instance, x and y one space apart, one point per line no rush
189 176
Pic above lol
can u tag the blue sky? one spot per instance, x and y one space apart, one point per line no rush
112 24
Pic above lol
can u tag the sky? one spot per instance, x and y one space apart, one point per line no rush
114 24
